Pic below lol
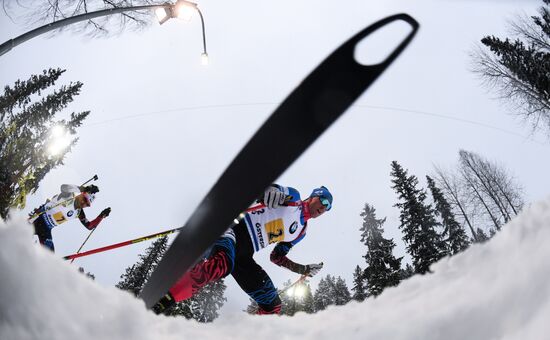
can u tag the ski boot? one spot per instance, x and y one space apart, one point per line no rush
164 304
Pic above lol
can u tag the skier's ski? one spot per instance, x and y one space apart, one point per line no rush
305 114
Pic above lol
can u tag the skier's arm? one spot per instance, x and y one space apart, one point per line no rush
94 223
291 195
276 195
278 256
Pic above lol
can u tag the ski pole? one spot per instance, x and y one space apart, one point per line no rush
141 239
35 215
83 243
121 244
94 178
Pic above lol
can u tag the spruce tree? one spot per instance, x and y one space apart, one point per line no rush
456 240
383 269
322 298
519 67
417 221
359 288
407 272
308 304
341 292
331 291
26 133
137 275
482 236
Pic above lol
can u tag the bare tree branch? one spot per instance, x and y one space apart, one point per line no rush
35 12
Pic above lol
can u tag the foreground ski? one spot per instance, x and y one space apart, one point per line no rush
305 114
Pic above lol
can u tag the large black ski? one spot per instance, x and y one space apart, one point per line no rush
305 114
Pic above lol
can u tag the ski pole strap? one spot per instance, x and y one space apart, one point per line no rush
121 244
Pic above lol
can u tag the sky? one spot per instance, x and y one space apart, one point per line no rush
498 290
163 127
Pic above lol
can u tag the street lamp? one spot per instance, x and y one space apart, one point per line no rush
184 10
166 10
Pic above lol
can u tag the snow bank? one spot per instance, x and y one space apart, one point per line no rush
498 290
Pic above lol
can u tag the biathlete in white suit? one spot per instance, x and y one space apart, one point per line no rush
67 205
283 221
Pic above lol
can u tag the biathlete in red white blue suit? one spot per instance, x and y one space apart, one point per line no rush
67 205
283 221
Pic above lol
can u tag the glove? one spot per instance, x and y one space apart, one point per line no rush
105 212
312 269
92 189
273 198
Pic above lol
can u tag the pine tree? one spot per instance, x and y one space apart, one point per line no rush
457 240
26 125
520 67
383 269
359 288
322 298
137 275
407 272
482 236
424 244
341 292
331 291
308 304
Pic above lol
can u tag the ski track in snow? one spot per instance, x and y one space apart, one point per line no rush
498 290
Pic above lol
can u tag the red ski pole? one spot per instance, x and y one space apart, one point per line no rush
121 244
145 238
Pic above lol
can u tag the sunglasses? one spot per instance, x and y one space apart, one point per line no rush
325 202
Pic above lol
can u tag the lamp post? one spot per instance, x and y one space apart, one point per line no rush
173 9
181 10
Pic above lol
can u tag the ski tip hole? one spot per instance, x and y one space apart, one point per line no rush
375 48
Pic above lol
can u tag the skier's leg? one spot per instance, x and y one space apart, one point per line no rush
257 284
219 264
44 234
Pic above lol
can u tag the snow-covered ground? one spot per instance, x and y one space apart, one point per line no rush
499 290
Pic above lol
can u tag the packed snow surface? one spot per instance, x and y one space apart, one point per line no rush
499 290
